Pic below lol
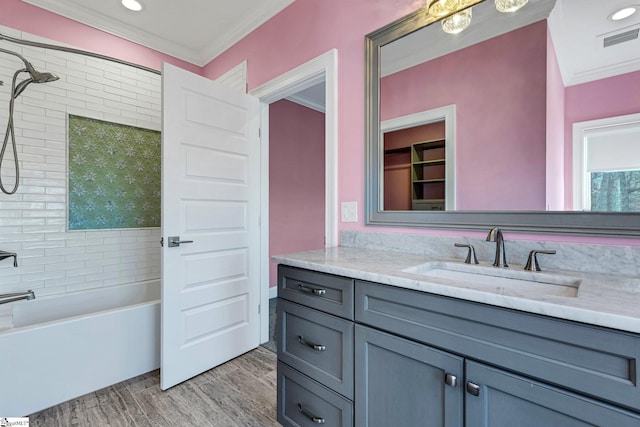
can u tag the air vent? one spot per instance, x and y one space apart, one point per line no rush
621 37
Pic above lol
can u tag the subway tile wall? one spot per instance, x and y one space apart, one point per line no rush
33 222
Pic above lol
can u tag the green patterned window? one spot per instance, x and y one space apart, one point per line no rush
114 175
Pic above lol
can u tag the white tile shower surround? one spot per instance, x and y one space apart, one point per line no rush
33 221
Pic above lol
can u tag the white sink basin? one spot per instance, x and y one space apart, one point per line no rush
499 280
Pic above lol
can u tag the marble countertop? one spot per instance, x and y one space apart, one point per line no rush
603 300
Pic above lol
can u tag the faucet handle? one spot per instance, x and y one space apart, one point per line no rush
471 254
532 261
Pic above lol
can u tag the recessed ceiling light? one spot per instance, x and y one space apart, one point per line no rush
132 5
623 13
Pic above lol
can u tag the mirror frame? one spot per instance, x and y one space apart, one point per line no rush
612 224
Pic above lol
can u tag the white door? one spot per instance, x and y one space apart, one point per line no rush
210 196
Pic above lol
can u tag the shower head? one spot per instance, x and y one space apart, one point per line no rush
36 76
39 77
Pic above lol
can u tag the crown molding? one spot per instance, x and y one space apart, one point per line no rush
117 28
199 57
249 24
573 79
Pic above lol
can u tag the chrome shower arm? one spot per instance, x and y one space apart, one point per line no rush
22 58
76 51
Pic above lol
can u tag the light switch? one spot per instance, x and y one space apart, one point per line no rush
349 211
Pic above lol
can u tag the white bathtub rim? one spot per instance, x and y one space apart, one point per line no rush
67 319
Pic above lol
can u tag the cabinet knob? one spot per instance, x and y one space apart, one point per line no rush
313 418
450 380
473 389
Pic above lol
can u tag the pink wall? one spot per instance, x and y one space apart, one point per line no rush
25 17
308 28
487 81
615 96
296 180
555 131
305 30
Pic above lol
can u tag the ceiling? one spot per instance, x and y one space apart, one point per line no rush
578 29
195 31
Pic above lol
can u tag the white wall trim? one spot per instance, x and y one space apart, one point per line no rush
446 113
307 102
322 68
581 189
273 292
236 77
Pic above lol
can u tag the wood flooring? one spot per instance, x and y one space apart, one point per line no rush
239 393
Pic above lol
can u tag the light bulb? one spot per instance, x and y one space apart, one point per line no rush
132 5
624 13
440 8
508 6
457 23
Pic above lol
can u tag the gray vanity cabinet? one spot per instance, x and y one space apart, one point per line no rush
589 366
403 383
355 352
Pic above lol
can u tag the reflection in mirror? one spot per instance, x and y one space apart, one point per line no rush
419 161
500 106
520 83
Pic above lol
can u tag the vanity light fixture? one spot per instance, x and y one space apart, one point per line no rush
442 8
624 13
509 6
455 18
452 22
457 22
134 5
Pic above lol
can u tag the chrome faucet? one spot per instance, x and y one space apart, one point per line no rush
17 296
5 254
495 235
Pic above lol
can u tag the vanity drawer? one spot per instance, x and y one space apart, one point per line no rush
591 360
318 345
303 402
325 292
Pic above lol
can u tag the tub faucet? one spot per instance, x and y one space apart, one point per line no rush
495 235
17 296
5 254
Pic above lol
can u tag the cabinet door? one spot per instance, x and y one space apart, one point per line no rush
402 383
496 398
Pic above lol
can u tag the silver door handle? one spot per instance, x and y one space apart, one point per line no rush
175 241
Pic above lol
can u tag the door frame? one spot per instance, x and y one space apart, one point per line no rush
322 68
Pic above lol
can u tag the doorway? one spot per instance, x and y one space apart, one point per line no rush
321 70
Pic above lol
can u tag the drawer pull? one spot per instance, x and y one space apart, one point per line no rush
473 389
314 291
312 417
317 347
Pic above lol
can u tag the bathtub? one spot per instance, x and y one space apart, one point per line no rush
62 347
